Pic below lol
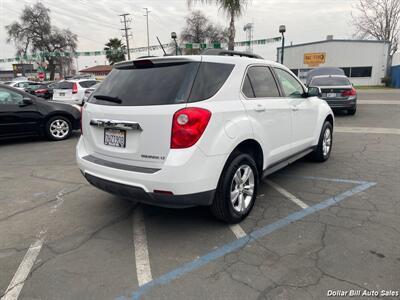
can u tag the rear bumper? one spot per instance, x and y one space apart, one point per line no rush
186 178
138 194
68 100
341 104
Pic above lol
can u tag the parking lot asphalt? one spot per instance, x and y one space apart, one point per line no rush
315 227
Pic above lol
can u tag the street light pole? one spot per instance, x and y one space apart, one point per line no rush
174 36
148 37
282 30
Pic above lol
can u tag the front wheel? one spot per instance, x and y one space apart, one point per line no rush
324 147
58 128
237 189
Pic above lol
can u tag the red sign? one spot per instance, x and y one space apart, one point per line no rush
41 75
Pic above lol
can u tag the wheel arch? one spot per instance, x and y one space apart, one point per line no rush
61 114
251 147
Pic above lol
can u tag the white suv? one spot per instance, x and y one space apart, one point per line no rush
72 91
199 130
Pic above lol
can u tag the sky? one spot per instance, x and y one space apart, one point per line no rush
96 21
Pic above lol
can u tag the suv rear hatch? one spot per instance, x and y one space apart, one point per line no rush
129 117
63 90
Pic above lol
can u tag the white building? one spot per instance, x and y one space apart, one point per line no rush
363 61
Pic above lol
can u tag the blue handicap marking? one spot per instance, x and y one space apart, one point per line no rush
254 235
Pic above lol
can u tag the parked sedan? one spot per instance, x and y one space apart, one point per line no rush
337 91
42 90
22 114
22 84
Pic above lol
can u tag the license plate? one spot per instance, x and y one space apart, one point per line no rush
62 94
331 95
114 137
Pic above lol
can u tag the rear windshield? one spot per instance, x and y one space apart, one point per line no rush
330 81
163 83
63 85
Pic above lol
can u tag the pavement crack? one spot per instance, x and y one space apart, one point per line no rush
55 199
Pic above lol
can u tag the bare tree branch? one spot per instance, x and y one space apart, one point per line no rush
379 19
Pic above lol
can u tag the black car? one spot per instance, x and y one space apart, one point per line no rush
22 114
42 90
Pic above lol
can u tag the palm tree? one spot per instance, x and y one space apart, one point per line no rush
233 9
115 50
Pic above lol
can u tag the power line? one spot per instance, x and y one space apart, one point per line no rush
126 21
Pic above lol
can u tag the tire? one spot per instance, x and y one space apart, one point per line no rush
223 207
321 153
352 111
58 128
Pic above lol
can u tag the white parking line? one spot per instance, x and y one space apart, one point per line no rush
379 102
287 194
24 268
367 130
142 260
17 283
237 231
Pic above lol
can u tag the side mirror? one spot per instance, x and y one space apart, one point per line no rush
314 92
27 101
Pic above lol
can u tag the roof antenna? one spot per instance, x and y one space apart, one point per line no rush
161 46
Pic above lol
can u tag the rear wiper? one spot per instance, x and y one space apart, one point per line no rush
108 98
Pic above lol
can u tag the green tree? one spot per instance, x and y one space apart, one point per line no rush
233 9
115 50
199 29
34 33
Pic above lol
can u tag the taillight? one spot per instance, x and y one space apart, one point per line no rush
348 93
188 124
75 88
41 91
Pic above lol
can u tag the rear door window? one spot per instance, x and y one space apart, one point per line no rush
247 89
260 83
209 80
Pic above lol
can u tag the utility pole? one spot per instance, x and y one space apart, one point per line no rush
148 38
126 21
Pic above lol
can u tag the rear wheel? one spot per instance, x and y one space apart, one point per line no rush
58 128
237 189
324 147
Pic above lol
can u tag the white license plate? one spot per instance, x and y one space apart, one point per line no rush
62 94
331 95
114 137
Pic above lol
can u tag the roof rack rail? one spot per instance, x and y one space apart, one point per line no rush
229 53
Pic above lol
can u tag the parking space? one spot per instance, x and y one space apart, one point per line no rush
314 228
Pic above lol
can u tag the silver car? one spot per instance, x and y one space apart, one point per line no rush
338 91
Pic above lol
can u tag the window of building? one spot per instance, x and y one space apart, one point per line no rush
361 72
346 71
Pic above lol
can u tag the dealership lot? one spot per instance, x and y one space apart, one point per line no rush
315 227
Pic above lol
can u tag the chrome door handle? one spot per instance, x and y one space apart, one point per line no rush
259 108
